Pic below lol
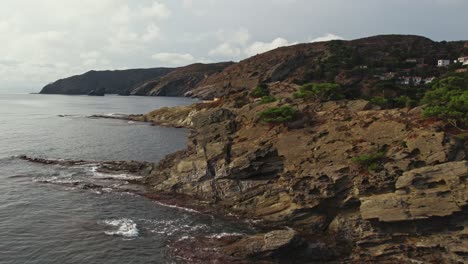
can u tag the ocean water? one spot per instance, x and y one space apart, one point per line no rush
46 216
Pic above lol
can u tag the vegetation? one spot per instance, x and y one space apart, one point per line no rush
267 99
371 161
320 91
260 91
279 114
402 101
448 100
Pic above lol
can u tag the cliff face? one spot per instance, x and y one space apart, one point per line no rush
304 175
113 82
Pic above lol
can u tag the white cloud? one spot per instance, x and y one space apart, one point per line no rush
326 37
225 50
261 47
156 10
174 59
80 36
187 3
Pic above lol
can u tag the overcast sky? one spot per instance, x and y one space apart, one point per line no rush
43 40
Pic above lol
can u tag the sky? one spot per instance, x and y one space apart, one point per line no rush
45 40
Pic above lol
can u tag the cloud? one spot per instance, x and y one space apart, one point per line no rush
261 47
225 50
156 10
174 59
80 36
187 3
326 37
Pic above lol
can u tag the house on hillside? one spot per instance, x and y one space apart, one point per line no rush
443 63
463 59
386 76
428 80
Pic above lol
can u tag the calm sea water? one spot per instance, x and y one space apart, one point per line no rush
45 218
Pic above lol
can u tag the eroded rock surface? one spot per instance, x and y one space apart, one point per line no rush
303 176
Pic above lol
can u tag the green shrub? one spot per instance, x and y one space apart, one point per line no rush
320 92
371 161
402 101
267 99
279 114
448 100
380 101
260 91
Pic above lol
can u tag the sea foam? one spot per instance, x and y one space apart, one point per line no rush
125 227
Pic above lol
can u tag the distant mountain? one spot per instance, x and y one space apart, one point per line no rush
113 82
154 82
369 66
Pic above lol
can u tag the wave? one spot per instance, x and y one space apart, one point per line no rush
178 207
110 176
124 227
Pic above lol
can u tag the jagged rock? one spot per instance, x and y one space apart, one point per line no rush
421 193
274 243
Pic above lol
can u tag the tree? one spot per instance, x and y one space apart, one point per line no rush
448 100
320 91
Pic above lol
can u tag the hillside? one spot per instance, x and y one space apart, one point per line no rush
370 67
179 81
364 66
326 179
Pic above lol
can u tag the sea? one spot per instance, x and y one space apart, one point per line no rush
46 214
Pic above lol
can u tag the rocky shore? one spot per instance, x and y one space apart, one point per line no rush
326 179
302 175
300 184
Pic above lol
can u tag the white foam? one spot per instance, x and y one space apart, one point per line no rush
122 176
178 207
125 227
221 235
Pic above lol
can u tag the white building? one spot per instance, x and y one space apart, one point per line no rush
428 80
463 59
443 63
412 80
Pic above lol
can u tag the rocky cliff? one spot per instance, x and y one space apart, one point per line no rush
359 184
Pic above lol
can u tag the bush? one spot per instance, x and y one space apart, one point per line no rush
371 161
320 92
260 91
402 101
448 100
380 101
279 114
267 99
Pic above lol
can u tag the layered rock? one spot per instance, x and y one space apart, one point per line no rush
302 174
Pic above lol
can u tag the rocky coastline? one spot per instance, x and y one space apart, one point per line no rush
299 182
328 176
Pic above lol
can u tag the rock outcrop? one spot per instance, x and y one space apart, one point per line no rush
302 174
